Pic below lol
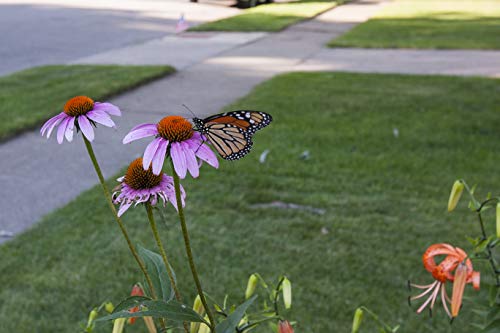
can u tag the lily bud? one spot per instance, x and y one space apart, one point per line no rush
287 293
243 320
109 307
356 322
456 193
150 324
198 305
92 317
118 325
458 288
498 220
285 327
199 309
203 327
136 291
251 285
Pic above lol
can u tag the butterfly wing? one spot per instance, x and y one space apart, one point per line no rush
231 142
231 132
248 120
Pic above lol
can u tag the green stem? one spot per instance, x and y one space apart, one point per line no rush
189 253
483 204
471 194
490 254
377 319
107 194
255 323
149 210
276 295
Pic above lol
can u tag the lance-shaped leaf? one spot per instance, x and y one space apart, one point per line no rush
158 273
229 324
129 303
171 310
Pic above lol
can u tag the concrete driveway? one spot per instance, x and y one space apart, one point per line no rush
39 32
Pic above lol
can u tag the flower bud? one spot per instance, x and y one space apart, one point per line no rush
92 317
243 320
356 322
287 293
498 220
285 327
109 307
119 325
456 193
199 309
198 305
150 324
251 285
137 291
204 327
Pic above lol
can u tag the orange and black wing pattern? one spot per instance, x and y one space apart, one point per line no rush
231 133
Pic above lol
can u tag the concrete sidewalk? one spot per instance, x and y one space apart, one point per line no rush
45 175
441 62
41 32
179 51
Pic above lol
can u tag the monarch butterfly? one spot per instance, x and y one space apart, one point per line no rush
231 132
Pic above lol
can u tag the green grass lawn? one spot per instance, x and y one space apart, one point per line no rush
29 97
271 17
429 24
385 200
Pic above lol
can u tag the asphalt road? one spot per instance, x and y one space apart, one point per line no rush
39 32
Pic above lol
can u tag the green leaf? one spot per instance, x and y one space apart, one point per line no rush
477 326
130 302
480 312
492 295
473 241
229 324
493 313
493 327
158 273
171 310
481 247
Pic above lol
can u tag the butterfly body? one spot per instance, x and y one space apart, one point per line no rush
231 133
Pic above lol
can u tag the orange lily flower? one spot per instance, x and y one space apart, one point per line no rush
285 327
455 267
136 291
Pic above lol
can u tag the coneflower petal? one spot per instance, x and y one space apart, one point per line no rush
86 127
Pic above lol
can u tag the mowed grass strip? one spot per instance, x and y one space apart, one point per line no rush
271 17
385 198
29 97
429 24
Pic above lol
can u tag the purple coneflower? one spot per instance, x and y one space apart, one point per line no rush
173 134
140 186
86 112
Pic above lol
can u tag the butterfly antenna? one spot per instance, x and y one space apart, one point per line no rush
186 107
